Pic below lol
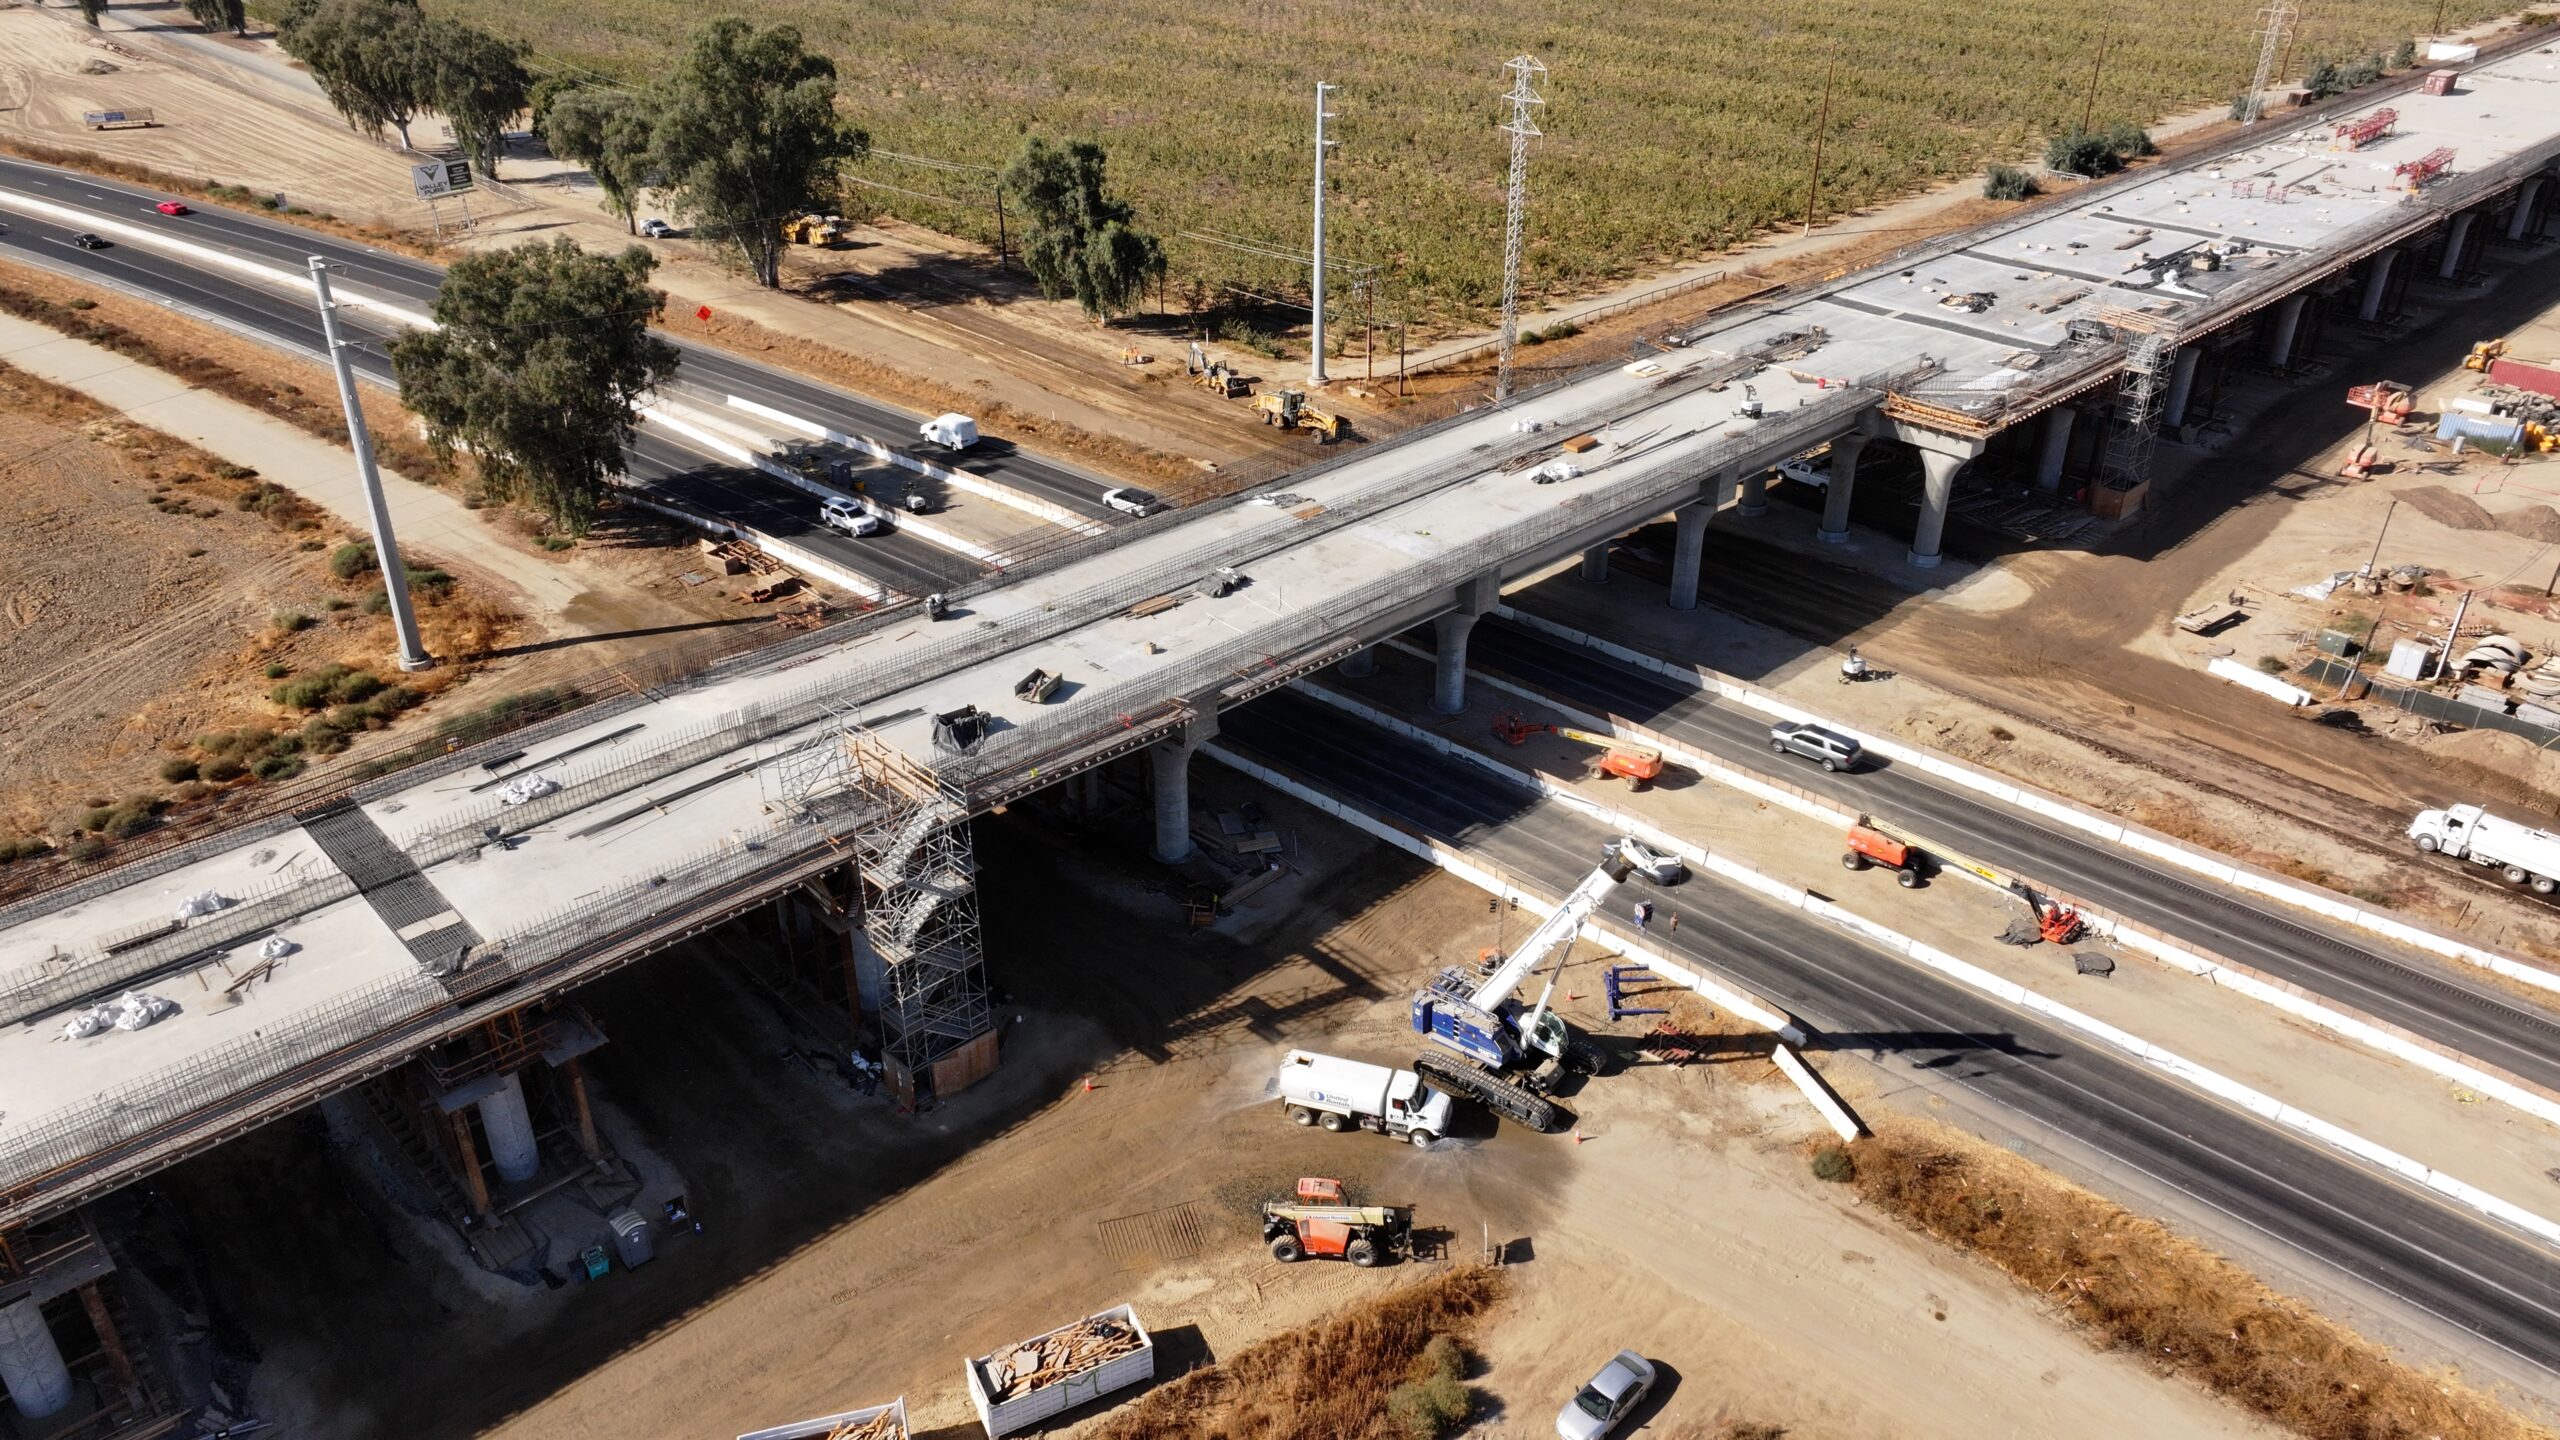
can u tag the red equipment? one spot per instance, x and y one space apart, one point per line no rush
2357 134
2416 174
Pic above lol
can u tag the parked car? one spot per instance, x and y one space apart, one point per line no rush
1653 864
657 229
850 516
1130 500
173 207
1806 470
1597 1407
87 241
1831 749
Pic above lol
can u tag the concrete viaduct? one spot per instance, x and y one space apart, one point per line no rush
445 912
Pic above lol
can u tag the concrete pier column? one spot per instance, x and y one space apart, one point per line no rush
31 1367
1360 664
2522 220
1755 492
2377 281
1171 758
510 1130
1938 472
2053 446
2288 324
1476 598
1837 491
589 1142
2456 235
1449 662
2182 387
1689 551
1595 565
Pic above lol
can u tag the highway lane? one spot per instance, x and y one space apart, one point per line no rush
655 461
413 282
2405 990
2359 1223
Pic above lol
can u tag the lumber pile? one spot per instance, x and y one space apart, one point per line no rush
883 1426
1055 1356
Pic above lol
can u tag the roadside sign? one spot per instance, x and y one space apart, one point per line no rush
434 178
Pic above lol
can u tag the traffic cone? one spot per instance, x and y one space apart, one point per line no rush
1577 1134
1088 1084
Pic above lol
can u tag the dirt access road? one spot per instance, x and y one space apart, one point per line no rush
851 1255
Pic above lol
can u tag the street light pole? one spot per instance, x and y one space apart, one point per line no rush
386 549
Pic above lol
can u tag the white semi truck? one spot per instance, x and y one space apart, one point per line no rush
2524 855
1344 1094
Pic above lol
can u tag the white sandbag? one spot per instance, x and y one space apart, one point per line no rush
94 1020
203 903
136 1009
275 947
526 787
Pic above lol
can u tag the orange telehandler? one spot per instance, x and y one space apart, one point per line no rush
1872 842
1637 764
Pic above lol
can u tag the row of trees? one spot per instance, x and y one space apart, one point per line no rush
382 63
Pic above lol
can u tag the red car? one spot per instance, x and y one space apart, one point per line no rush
172 207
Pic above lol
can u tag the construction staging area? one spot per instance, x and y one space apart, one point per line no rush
410 954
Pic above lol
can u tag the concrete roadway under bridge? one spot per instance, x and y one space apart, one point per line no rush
433 902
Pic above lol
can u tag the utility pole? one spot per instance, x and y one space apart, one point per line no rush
1522 128
2274 19
1004 242
1315 359
1821 131
395 576
2089 106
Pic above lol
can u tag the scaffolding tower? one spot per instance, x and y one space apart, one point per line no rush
920 873
2142 391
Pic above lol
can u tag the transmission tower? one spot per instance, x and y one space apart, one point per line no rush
1522 128
2274 18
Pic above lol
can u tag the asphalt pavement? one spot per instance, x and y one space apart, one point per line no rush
2362 1226
2419 995
399 278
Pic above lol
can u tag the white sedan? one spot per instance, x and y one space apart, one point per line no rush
1596 1408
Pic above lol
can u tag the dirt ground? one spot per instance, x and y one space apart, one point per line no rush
851 1256
141 602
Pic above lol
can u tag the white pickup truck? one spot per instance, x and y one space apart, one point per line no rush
1344 1094
2524 855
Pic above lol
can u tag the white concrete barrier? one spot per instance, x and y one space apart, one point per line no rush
2223 667
2185 857
1972 976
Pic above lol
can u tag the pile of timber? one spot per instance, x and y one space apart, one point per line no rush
883 1426
1055 1356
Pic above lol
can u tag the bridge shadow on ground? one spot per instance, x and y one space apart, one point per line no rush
1098 977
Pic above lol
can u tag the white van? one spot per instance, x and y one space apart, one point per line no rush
951 432
1344 1094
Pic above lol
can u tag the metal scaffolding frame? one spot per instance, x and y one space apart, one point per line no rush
921 872
2142 391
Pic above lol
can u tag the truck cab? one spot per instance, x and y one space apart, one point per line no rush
2447 830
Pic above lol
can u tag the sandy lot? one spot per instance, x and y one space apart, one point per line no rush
851 1255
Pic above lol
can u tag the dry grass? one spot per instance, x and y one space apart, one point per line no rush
1322 1382
2136 1287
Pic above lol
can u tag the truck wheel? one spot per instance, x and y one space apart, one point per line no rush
2516 875
2544 884
1361 1253
1421 1139
1907 879
1334 1123
2428 845
1854 861
1302 1114
1287 1250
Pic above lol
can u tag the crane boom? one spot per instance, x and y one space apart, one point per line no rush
1557 930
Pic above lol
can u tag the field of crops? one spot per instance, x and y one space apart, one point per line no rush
1672 126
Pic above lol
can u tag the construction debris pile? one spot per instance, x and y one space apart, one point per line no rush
1055 1356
